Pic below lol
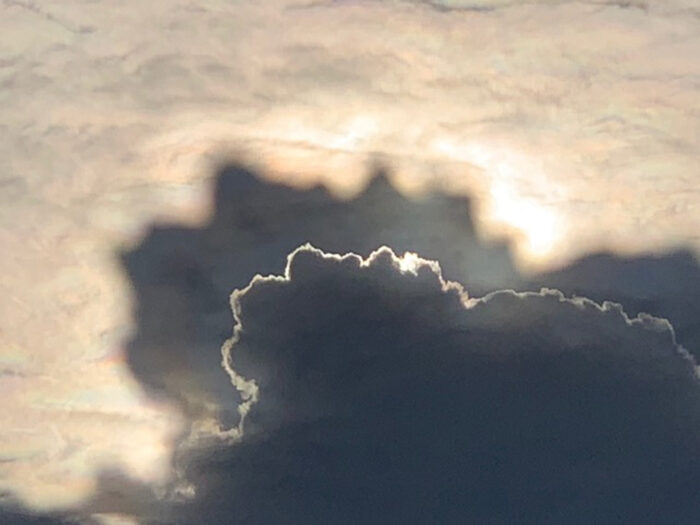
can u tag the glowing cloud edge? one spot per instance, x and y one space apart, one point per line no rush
411 263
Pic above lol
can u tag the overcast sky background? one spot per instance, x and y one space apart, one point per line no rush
574 124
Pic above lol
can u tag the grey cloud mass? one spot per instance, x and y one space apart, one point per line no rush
182 276
386 395
574 125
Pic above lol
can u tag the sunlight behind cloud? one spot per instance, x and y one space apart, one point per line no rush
537 224
573 125
516 200
409 262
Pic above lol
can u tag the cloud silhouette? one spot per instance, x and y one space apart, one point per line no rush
110 111
386 395
666 285
182 277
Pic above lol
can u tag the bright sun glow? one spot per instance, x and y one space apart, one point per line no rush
536 223
409 262
538 226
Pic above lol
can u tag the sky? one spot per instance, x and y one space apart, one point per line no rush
156 156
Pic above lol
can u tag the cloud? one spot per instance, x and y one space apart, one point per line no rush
663 285
583 115
492 5
182 276
15 515
386 395
551 98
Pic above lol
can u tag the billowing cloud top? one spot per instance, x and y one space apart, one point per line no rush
384 394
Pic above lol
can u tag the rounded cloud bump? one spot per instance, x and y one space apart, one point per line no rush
383 394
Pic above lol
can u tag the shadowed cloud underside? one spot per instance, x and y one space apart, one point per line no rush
384 395
183 276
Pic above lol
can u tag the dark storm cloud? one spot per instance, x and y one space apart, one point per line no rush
182 276
16 515
665 285
387 397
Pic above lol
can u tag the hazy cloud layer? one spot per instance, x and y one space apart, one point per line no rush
565 108
386 395
575 122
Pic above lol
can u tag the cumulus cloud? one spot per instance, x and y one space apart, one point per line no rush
182 276
664 285
384 394
551 99
564 117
